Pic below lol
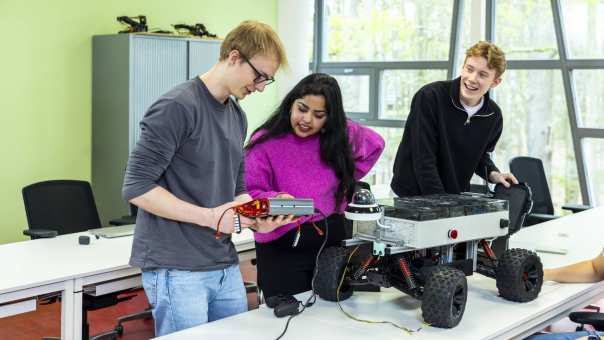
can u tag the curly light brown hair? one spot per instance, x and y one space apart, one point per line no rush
493 54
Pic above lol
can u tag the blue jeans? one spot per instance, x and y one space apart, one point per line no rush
563 336
183 299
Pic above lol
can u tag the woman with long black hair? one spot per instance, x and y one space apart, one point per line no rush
307 149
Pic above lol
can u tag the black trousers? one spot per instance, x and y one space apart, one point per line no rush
285 269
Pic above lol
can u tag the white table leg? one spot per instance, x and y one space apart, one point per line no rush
77 309
67 311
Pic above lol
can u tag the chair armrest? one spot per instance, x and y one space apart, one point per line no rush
40 233
575 208
532 219
588 318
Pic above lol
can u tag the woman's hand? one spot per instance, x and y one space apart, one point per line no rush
270 223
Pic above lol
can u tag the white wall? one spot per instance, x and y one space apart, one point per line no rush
294 29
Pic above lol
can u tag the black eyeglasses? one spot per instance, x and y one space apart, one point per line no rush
260 77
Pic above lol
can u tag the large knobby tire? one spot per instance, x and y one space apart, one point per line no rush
444 297
332 263
519 275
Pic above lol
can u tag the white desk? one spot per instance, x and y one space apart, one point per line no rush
487 316
60 264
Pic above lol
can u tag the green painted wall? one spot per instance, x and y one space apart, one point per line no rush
45 83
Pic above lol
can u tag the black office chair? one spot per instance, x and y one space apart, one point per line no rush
595 319
530 170
60 207
520 203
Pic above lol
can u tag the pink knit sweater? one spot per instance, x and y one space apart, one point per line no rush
293 165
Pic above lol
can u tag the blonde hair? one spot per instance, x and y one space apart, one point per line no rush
251 38
493 54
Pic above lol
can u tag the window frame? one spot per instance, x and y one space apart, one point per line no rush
375 70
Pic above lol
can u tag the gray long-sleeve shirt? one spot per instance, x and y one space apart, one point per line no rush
191 145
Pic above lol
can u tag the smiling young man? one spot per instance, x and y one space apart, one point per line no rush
452 128
184 174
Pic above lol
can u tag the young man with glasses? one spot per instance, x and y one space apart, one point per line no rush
260 76
186 172
452 128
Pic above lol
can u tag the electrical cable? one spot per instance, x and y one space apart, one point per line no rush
217 234
407 330
313 295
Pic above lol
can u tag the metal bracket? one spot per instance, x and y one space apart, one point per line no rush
379 249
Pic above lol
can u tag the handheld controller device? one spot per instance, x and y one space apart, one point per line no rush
276 206
264 207
283 305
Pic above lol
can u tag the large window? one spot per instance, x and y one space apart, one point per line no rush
594 150
398 87
589 85
467 27
584 25
355 88
383 51
536 124
526 30
381 174
387 30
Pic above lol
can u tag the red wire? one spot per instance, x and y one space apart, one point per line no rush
218 224
367 262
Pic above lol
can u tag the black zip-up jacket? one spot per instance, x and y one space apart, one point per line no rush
441 148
